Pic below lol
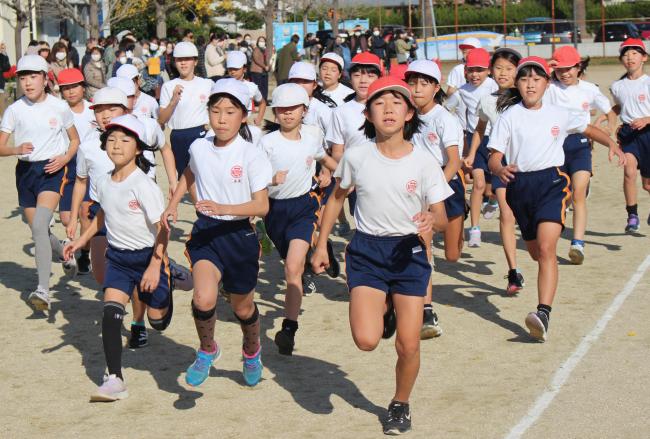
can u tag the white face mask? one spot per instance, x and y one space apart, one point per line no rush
153 47
96 57
248 40
60 56
242 49
358 34
122 59
261 44
145 51
129 54
376 33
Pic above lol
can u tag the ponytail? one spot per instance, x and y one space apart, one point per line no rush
270 127
245 132
319 95
144 164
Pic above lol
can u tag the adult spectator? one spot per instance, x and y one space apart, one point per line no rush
377 44
94 72
170 68
215 58
286 57
109 52
413 51
391 50
91 43
200 64
402 48
188 36
358 41
5 66
312 47
59 60
260 66
73 55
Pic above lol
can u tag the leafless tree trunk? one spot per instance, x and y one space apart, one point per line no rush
161 18
335 17
269 14
580 14
93 14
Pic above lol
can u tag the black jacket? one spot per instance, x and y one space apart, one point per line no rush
5 66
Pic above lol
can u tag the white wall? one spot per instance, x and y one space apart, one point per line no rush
7 23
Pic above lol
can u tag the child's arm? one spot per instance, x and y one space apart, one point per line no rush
58 162
186 181
453 163
151 276
329 163
78 192
96 224
640 123
170 168
598 135
320 259
435 219
260 113
477 138
505 173
258 206
337 151
5 150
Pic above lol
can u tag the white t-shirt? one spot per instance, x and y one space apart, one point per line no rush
131 209
471 96
456 77
296 156
339 94
228 174
146 106
455 105
633 96
254 93
92 163
346 123
318 114
191 111
440 130
85 121
154 137
487 109
389 191
581 97
44 124
533 139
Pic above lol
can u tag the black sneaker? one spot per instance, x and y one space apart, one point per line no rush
537 323
308 284
515 282
83 263
284 340
139 337
334 270
399 419
430 326
390 321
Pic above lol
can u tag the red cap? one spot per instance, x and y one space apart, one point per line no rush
566 56
534 61
389 83
478 58
632 42
367 59
70 76
398 71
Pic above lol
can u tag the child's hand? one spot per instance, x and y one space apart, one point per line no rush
424 221
170 212
468 162
614 150
24 148
55 164
279 178
209 208
320 261
640 123
177 93
150 279
507 173
70 249
71 230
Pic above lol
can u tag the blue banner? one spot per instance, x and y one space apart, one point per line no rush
282 32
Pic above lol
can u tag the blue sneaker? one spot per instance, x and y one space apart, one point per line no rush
200 369
253 368
633 223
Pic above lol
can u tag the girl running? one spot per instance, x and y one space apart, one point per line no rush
503 66
569 91
144 105
236 63
137 264
632 96
400 196
330 70
294 205
439 136
231 178
529 134
183 104
40 124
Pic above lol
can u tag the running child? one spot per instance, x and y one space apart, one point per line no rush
400 196
529 134
144 105
294 204
330 71
632 97
46 140
456 78
231 178
236 63
137 264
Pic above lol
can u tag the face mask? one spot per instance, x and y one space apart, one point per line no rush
129 54
261 44
242 49
122 59
145 51
376 33
153 47
248 40
96 57
60 56
358 34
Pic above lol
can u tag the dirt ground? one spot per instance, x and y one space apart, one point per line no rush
476 381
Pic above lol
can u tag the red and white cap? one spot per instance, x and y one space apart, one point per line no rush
565 56
109 96
185 49
388 83
632 42
302 70
425 67
289 95
235 59
233 87
470 43
32 63
128 71
333 57
130 123
478 58
366 59
126 85
534 61
70 76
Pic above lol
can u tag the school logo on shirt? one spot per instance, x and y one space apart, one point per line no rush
144 110
555 131
411 186
585 106
203 98
53 122
309 161
236 172
134 205
432 137
642 98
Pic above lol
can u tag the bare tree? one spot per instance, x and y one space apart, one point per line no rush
269 8
23 11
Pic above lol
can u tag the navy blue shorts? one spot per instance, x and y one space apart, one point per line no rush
293 218
65 203
496 181
637 143
181 141
577 154
31 180
92 213
124 271
394 264
539 196
327 191
232 247
482 155
455 204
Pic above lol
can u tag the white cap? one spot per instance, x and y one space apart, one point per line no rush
109 96
470 43
32 63
302 70
425 67
130 123
233 87
122 34
288 95
185 49
125 85
128 71
333 57
235 59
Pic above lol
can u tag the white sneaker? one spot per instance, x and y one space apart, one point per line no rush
111 390
474 237
69 267
577 254
182 277
490 210
39 299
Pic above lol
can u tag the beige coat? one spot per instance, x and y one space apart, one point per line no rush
95 78
215 61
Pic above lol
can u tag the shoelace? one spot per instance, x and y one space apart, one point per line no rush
396 413
201 363
251 363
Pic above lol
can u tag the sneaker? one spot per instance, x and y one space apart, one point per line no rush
111 390
390 321
633 224
491 209
284 340
181 276
537 323
430 326
263 238
69 266
253 368
200 369
577 254
515 282
398 420
334 270
39 299
474 237
139 338
308 284
83 264
341 230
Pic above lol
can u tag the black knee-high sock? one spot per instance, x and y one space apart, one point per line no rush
250 328
111 337
204 322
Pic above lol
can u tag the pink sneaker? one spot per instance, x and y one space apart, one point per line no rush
111 390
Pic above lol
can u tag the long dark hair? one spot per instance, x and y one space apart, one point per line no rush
363 68
244 131
318 94
410 126
440 95
511 96
140 160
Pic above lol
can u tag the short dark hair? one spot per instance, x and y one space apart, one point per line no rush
411 127
295 38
